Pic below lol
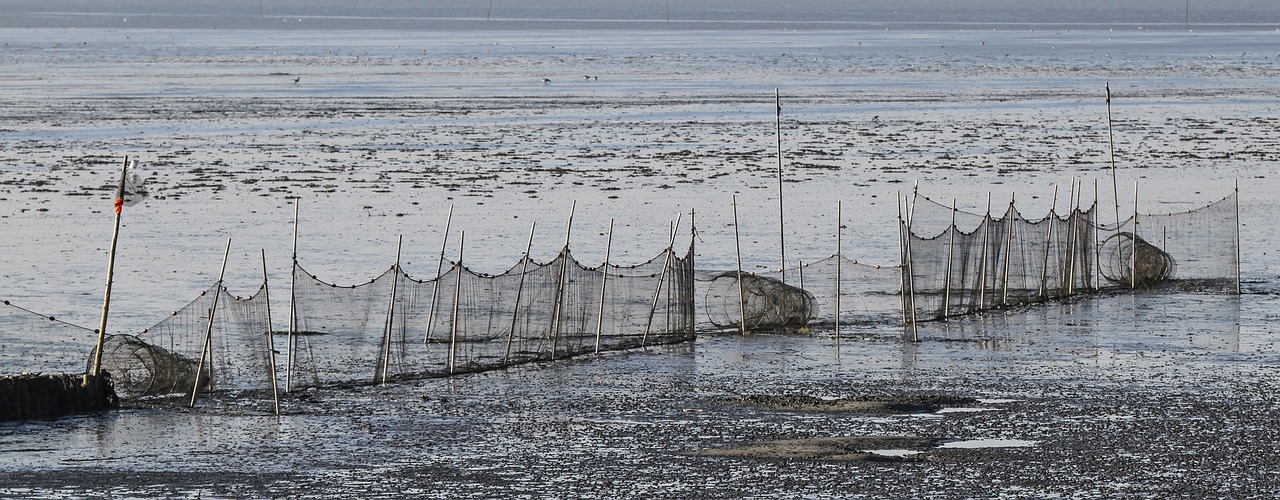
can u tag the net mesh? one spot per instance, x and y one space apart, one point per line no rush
163 360
397 327
31 342
972 262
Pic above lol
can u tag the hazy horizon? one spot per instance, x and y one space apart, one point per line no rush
482 14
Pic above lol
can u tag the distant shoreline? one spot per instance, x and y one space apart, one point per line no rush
356 23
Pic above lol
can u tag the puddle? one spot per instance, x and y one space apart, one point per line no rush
896 453
989 443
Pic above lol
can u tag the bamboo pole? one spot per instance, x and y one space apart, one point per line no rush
951 249
1097 241
737 243
515 315
1133 255
839 265
435 288
1008 248
457 298
986 233
1115 187
271 342
604 283
111 266
207 351
782 231
1048 242
1068 266
911 267
389 325
1237 192
293 296
902 260
662 277
560 283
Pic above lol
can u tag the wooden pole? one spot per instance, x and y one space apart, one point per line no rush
737 243
457 298
839 265
1115 187
293 296
911 267
1097 242
560 283
1237 192
986 233
951 250
604 283
782 230
1008 249
389 326
902 260
662 277
111 266
1067 263
1052 219
207 351
1133 255
435 288
271 342
515 315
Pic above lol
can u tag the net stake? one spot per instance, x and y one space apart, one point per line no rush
207 351
111 266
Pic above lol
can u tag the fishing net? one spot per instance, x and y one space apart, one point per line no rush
997 262
31 342
977 262
847 291
1198 249
395 326
163 360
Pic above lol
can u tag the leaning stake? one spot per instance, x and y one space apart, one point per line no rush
111 265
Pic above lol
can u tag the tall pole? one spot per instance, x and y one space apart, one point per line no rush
560 283
271 342
207 351
1237 191
1052 219
604 283
111 266
902 260
737 243
435 290
387 332
1115 187
839 265
986 233
1008 248
1133 255
951 251
1097 242
662 277
737 246
911 268
515 315
782 230
293 296
457 297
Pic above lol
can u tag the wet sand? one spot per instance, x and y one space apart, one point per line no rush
1151 395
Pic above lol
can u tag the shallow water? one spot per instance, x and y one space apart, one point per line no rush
1122 394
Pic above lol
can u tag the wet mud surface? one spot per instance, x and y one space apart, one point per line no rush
1153 395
